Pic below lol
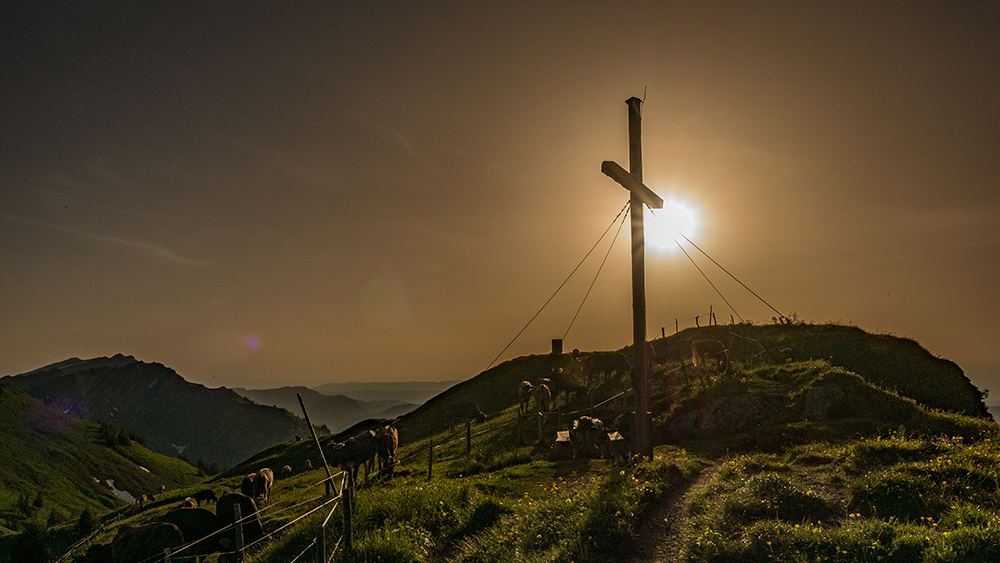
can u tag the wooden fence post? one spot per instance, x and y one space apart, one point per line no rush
166 555
520 437
320 544
238 528
468 436
541 425
329 476
348 493
430 458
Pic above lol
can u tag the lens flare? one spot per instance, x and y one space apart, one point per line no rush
253 342
663 226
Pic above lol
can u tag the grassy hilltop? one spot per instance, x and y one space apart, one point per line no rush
822 443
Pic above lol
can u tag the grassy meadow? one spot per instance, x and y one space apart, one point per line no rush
794 455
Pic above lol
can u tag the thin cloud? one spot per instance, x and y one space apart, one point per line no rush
142 247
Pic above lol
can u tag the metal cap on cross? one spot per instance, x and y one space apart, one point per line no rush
639 195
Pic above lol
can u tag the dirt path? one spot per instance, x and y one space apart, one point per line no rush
659 539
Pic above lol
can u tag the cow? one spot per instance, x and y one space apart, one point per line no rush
196 524
702 350
543 398
262 486
463 411
141 501
606 364
188 502
253 530
560 381
388 441
307 466
583 366
248 485
286 472
146 542
525 391
355 452
205 495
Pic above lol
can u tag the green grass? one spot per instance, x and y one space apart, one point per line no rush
873 499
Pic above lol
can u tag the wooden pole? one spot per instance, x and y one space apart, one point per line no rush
166 555
643 424
320 544
430 458
348 518
238 528
329 476
468 436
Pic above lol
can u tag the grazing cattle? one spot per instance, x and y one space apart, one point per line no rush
543 398
307 466
205 495
262 486
195 524
604 365
583 366
560 381
525 391
388 441
163 488
141 501
463 411
247 486
188 502
286 472
356 451
146 542
253 530
702 350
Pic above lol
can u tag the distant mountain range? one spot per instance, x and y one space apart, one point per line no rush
337 412
223 426
416 392
172 415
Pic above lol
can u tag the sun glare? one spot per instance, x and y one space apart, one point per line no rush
662 226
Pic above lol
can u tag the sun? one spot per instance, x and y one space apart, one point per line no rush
663 226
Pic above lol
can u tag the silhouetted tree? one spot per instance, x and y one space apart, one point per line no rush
30 546
86 524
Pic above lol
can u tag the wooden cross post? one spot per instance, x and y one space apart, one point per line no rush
640 194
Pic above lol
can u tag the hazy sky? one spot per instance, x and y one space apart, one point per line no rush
262 194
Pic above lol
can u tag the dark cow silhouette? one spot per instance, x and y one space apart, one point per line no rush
702 350
388 441
248 485
563 382
205 495
253 529
139 543
604 365
462 411
356 451
307 466
286 472
195 524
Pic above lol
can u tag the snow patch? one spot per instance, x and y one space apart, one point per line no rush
124 495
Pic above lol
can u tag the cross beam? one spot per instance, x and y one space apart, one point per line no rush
639 194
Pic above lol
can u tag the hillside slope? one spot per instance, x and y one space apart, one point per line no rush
65 464
171 414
